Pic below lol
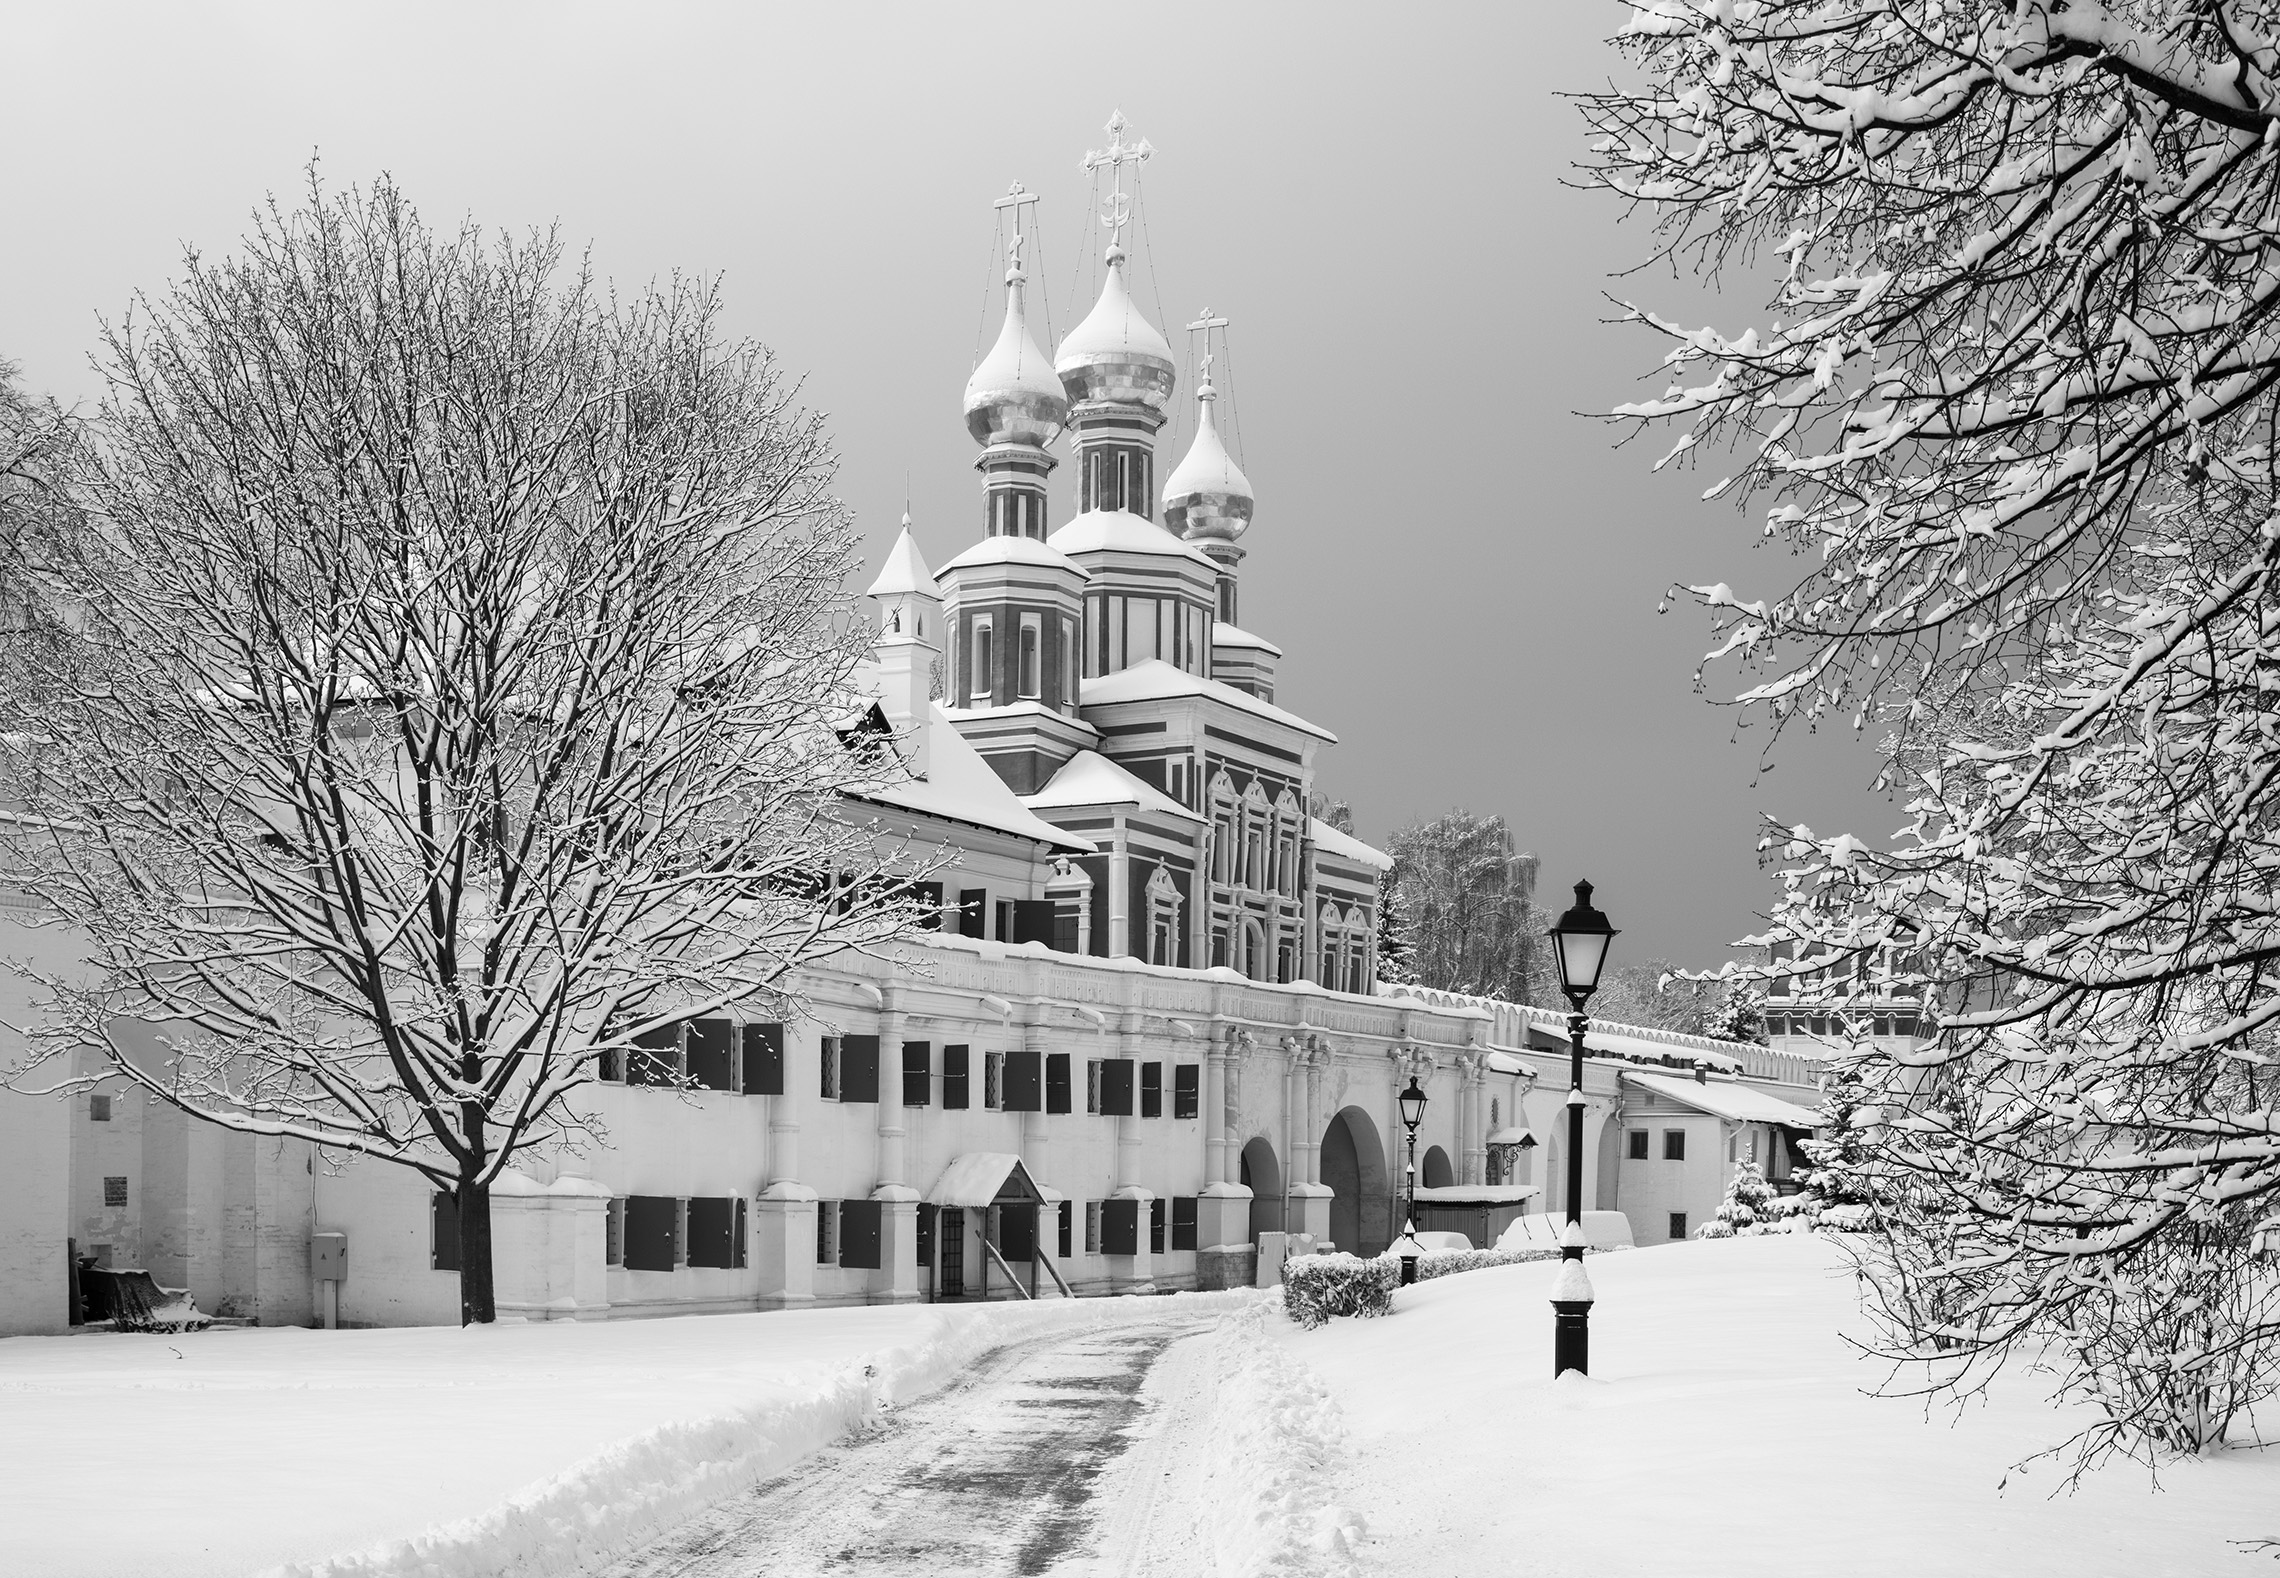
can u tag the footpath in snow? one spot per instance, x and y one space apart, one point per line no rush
440 1452
1724 1430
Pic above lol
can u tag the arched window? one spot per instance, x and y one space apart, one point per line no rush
1255 960
1163 918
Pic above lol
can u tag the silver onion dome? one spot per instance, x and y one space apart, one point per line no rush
1116 354
1014 397
1207 497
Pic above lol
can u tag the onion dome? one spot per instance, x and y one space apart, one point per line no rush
1013 397
1207 496
1116 354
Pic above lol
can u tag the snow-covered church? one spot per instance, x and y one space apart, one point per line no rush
1143 1045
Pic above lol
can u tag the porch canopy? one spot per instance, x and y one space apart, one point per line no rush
980 1179
1734 1102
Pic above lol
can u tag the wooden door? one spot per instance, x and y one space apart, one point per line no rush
952 1237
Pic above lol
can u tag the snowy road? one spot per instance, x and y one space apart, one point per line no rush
1066 1455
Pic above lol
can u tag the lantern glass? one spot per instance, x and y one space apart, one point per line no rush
1413 1104
1579 943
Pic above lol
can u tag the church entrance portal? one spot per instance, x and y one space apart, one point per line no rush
1262 1175
1361 1198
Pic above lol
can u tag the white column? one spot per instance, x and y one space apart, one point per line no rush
891 1130
1119 894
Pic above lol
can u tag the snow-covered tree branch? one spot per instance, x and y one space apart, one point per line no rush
460 694
2014 410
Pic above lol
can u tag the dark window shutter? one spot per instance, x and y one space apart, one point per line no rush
741 1239
612 1066
1024 1089
1120 1227
1156 1220
1057 1082
712 1232
973 911
656 1057
763 1060
1017 1232
1033 920
1116 1087
918 1066
649 1222
1183 1222
443 1232
708 1053
929 896
1151 1090
926 1235
859 1234
953 1078
858 1068
1068 1226
1187 1090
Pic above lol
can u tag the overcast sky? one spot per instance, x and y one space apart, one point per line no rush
1462 571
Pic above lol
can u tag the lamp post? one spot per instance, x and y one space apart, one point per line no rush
1579 945
1412 1103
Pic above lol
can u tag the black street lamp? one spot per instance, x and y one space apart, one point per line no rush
1579 945
1412 1103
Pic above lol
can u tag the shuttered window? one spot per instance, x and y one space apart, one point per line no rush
1120 1227
1057 1094
1151 1090
1183 1222
1187 1090
859 1068
917 1073
1024 1089
1116 1087
716 1232
1158 1216
859 1234
651 1226
954 1060
711 1054
764 1060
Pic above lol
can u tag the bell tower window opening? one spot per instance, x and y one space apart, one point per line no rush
1163 918
1068 664
980 670
1031 666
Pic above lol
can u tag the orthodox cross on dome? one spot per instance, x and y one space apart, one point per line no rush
1116 156
1206 321
1016 198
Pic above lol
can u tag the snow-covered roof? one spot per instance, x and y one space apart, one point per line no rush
974 1180
1477 1194
1089 778
1508 1135
1009 548
905 570
1157 680
1226 635
961 786
1346 846
1121 531
1207 494
1726 1099
1014 395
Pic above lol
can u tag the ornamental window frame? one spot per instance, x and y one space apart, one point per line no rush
1163 898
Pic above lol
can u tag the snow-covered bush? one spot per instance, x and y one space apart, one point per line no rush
1747 1210
1448 1262
1316 1287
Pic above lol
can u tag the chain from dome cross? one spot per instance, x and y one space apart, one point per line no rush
1016 198
1206 321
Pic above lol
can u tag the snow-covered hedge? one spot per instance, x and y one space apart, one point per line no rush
1316 1287
1448 1262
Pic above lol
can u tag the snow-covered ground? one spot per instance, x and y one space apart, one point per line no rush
441 1452
1724 1431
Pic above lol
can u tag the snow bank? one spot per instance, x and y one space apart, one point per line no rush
441 1452
1277 1460
1725 1428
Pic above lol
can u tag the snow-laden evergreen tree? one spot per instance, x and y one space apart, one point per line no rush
1468 895
1396 950
1747 1209
2013 405
455 701
1736 1013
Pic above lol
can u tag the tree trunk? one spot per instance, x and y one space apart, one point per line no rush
477 1303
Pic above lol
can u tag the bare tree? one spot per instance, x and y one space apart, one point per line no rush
464 657
2015 403
36 516
1466 895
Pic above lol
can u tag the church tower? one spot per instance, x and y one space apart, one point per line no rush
1013 606
1208 501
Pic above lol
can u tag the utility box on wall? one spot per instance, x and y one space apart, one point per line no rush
328 1257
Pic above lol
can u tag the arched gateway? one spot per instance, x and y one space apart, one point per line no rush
1262 1175
1361 1195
